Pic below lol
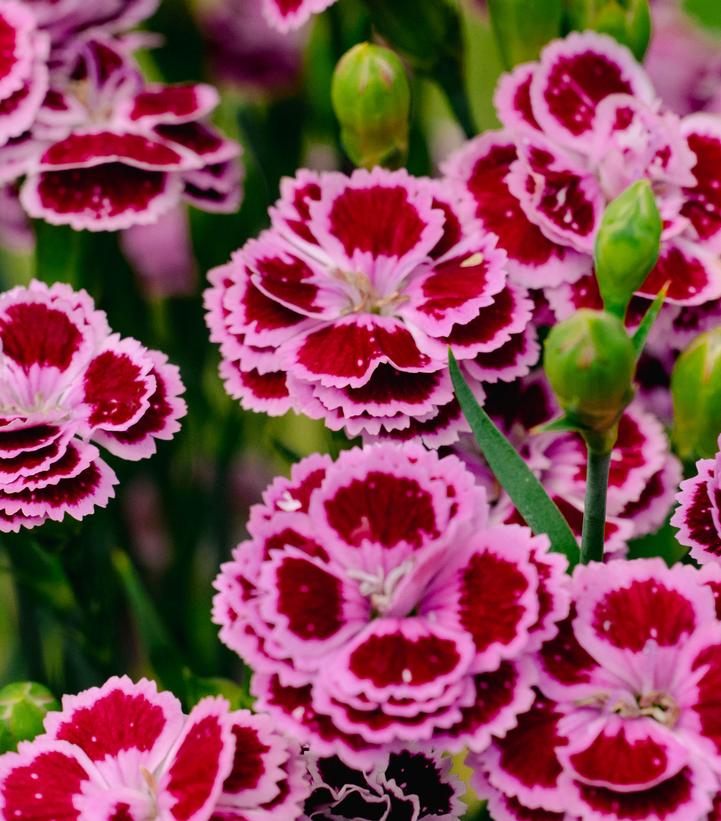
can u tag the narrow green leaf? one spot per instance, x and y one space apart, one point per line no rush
162 652
41 573
526 492
641 333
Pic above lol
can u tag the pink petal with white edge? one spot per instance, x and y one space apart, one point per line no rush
512 360
75 457
399 659
524 763
19 110
623 606
512 99
462 281
481 168
566 671
171 104
554 596
490 592
703 200
44 779
687 795
205 143
291 212
494 326
160 421
622 755
693 273
88 149
117 385
108 197
347 352
200 762
286 15
120 715
652 507
258 392
76 496
258 763
557 193
574 75
378 222
438 430
217 189
352 508
501 696
694 518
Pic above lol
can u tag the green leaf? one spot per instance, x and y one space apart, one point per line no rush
526 492
641 333
162 652
41 573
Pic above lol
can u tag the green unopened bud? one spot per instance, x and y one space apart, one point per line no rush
627 245
696 391
590 362
23 706
628 21
371 98
523 27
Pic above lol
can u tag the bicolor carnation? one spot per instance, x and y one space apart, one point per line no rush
344 310
698 516
643 476
626 723
581 125
126 752
108 151
378 607
69 384
409 784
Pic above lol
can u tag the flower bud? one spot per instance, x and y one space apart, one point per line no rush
696 392
523 27
590 362
628 21
627 245
371 98
23 706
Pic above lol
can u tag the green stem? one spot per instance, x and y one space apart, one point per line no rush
594 516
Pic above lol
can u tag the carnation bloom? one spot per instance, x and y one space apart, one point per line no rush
291 14
101 149
581 125
69 384
409 784
626 726
110 151
698 515
125 752
643 474
345 308
377 606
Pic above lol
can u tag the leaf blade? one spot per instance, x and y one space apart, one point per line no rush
521 484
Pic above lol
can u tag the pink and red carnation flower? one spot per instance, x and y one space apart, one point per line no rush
581 125
626 722
125 752
68 384
345 308
377 605
286 15
98 146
